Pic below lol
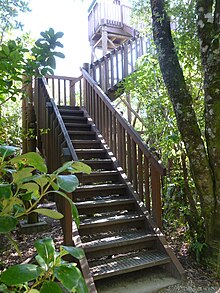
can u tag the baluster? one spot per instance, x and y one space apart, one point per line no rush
140 174
147 184
130 167
134 164
59 92
156 197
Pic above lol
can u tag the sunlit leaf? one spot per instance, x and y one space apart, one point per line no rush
74 251
50 287
32 159
46 249
49 213
19 274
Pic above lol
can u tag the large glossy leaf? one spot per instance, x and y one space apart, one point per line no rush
33 291
49 213
32 159
46 249
41 180
74 251
64 167
69 276
67 183
7 150
19 274
5 191
7 224
82 287
77 167
50 287
22 175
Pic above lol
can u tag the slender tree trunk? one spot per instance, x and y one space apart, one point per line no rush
204 164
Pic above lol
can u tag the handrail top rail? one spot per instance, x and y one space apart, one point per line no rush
133 133
75 79
60 120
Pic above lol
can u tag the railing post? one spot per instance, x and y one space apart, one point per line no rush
66 221
85 93
156 197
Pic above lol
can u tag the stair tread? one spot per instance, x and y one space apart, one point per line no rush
102 186
127 263
117 239
102 202
105 220
81 132
90 150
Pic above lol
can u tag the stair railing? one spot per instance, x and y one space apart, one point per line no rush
143 169
52 137
119 63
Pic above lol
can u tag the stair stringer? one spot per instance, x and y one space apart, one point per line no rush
174 267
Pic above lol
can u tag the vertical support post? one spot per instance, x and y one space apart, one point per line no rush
128 98
104 40
66 222
156 197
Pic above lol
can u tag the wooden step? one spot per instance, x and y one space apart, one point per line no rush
91 153
74 119
65 107
101 177
71 112
111 223
77 126
104 164
101 205
89 191
127 263
82 135
86 144
119 244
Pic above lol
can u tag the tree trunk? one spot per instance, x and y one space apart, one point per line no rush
204 164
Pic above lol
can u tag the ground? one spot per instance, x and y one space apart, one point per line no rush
198 278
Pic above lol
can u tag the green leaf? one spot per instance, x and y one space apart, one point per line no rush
68 275
46 249
51 62
80 167
31 159
31 187
41 180
22 174
64 167
19 274
67 183
59 35
49 213
50 287
74 251
75 215
59 54
7 150
41 262
73 207
82 287
5 191
7 224
33 291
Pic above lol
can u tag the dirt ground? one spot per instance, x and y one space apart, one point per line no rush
198 278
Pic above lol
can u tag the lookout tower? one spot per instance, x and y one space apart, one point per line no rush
108 25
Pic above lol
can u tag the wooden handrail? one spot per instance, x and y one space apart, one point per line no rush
131 131
143 169
61 123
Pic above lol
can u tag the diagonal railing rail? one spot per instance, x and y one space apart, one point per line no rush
143 169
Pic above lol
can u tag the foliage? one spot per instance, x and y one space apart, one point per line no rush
24 182
16 61
43 276
146 85
9 16
24 179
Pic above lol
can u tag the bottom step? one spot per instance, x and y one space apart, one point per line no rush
127 263
149 280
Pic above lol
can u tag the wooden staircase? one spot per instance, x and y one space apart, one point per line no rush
119 203
116 231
